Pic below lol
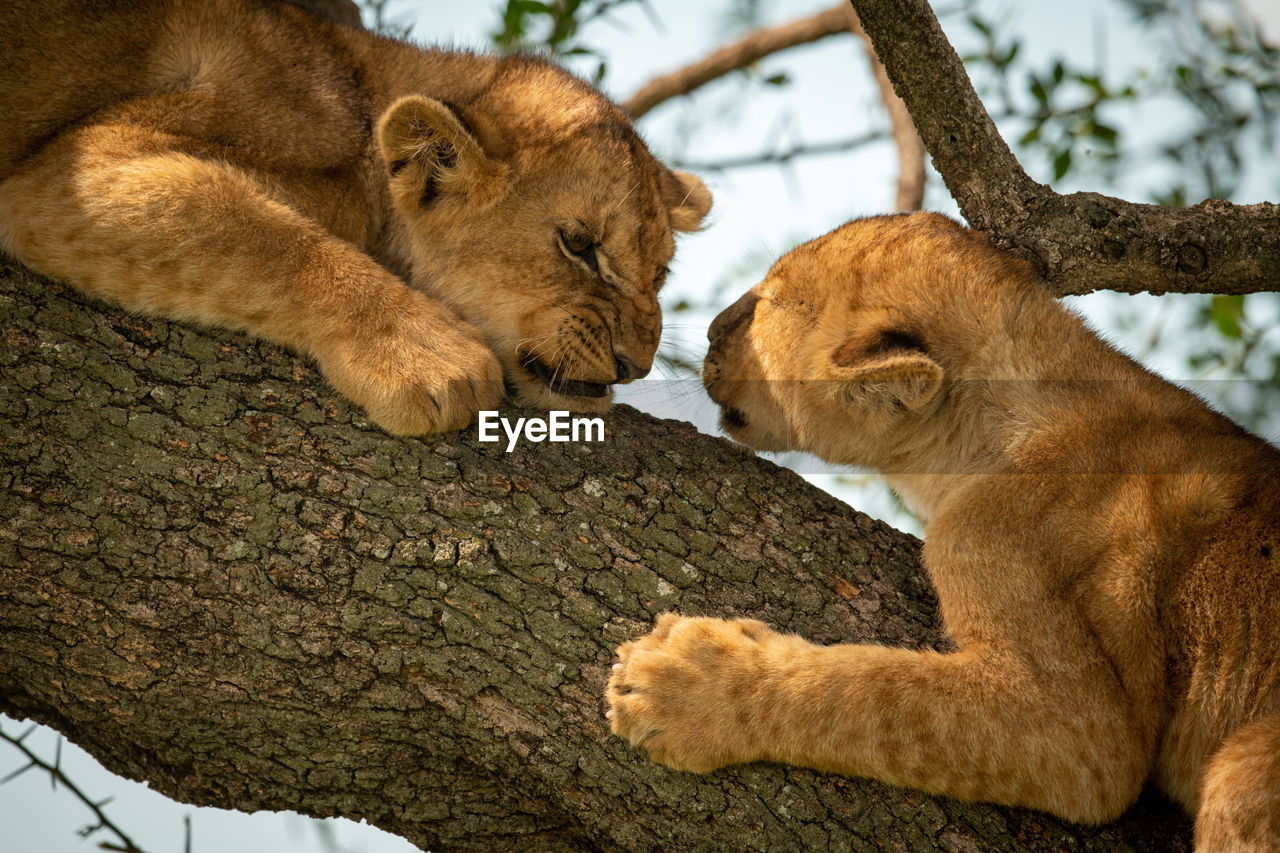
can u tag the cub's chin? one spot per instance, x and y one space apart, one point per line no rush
531 383
742 429
571 395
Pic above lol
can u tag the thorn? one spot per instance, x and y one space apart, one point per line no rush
15 774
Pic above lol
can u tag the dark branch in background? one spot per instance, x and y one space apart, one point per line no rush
778 158
911 173
56 776
1079 242
735 56
757 45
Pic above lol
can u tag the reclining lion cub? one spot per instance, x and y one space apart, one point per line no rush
424 223
1105 548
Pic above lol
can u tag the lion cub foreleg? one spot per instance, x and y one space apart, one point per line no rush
1240 795
979 724
112 211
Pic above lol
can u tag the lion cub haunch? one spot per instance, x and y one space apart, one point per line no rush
431 226
1105 548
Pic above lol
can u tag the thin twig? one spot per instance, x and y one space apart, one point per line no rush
773 158
56 776
911 153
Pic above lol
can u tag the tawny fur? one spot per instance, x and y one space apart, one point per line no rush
400 214
1105 548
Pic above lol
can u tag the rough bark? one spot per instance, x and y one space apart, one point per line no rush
217 577
1079 242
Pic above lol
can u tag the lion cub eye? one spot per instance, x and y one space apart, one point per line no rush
579 246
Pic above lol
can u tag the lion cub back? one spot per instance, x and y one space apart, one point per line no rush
276 83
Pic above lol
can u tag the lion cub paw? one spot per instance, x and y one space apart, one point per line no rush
691 692
421 373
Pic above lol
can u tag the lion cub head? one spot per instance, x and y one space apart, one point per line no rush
530 206
857 345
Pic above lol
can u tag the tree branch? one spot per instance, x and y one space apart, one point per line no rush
911 171
786 155
1080 242
749 49
758 44
216 577
125 844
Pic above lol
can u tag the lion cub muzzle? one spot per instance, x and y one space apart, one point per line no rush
728 323
730 318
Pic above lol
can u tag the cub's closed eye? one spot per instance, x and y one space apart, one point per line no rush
577 242
579 246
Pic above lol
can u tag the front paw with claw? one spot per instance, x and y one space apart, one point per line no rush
694 692
423 371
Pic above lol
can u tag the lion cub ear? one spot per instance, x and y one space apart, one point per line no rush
688 199
430 153
884 371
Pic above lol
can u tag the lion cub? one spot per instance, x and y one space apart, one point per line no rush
431 226
1105 548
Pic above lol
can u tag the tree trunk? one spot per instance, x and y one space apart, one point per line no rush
218 578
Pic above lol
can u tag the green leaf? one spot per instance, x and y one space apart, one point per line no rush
980 25
1104 133
777 79
1061 163
1038 91
1227 312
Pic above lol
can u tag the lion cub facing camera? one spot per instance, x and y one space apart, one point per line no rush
1105 548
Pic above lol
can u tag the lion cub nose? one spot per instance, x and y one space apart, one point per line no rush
627 369
731 317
